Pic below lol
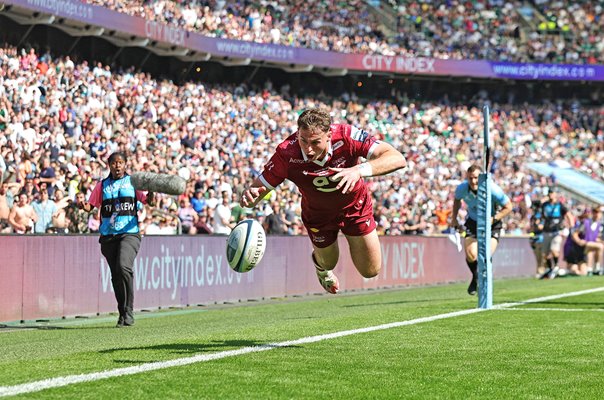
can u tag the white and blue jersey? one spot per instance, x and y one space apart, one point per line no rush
463 192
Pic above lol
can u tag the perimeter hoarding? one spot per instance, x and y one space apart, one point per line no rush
64 276
170 34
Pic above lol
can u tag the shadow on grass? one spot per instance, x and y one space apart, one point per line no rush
567 303
193 348
29 327
403 302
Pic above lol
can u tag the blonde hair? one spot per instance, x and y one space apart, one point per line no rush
314 119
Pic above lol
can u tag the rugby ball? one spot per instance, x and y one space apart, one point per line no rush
245 245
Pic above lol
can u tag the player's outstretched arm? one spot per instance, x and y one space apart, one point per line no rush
253 194
501 214
384 160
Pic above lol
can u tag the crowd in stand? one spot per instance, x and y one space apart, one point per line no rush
60 119
569 32
565 32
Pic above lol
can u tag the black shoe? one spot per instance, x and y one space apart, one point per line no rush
546 274
120 322
553 273
129 318
472 287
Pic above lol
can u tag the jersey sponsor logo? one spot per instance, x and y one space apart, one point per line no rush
358 134
318 239
337 145
320 172
296 161
339 162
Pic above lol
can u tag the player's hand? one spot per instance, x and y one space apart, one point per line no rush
348 178
250 196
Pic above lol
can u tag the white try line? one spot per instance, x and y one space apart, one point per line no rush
95 376
551 309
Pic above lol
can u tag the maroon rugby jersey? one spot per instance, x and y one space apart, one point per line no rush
320 198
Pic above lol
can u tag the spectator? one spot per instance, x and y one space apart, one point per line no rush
442 214
188 217
159 226
78 218
413 225
47 174
7 193
203 226
592 242
198 202
574 249
222 216
276 223
46 210
22 216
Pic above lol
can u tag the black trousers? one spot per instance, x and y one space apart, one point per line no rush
120 252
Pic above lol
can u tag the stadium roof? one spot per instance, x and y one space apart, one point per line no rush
577 184
81 19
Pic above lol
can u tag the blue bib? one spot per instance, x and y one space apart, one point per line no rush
119 207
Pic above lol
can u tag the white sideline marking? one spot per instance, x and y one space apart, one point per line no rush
550 309
95 376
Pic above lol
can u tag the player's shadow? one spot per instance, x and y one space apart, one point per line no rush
397 302
28 327
191 348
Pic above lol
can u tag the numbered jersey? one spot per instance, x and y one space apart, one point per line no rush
320 198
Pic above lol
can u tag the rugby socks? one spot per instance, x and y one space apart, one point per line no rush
553 262
473 266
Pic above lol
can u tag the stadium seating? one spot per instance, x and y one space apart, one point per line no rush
75 114
519 31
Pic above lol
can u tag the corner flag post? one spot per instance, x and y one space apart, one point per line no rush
485 269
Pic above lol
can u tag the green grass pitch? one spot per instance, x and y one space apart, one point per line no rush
548 349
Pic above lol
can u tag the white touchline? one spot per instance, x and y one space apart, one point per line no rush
95 376
551 309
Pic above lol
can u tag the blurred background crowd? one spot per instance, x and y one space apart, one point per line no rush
523 31
60 119
61 115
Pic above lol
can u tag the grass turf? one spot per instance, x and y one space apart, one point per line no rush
527 353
